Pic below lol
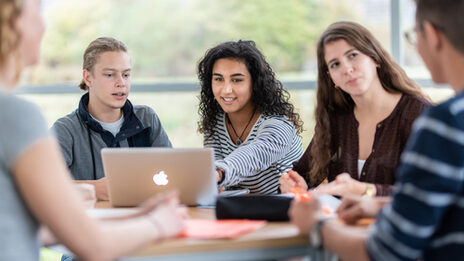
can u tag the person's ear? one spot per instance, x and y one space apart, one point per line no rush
87 76
433 37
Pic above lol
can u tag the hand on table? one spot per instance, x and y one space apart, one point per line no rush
305 214
343 185
291 179
87 194
354 208
164 213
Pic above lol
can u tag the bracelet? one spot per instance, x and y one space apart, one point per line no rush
315 235
370 190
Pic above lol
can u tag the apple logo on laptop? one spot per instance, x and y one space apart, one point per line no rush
160 179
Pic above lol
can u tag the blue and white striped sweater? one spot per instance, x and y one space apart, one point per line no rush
426 218
271 147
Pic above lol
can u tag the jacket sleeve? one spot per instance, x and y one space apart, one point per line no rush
159 137
65 139
383 190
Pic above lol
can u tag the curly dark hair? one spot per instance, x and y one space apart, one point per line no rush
268 95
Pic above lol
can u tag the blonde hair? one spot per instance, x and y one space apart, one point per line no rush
10 10
93 51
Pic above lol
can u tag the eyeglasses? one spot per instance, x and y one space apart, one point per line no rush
411 36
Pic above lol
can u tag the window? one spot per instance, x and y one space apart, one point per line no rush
166 38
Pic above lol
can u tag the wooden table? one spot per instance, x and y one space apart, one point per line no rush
276 240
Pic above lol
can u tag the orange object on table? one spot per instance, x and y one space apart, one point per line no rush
327 211
301 194
229 228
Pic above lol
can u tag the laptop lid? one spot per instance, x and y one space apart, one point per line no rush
135 174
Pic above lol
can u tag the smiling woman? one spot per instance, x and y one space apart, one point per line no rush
246 118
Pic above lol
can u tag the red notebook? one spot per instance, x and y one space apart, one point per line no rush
210 229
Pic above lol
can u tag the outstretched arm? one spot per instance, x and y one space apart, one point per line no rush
272 142
45 185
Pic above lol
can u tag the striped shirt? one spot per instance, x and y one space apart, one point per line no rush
270 149
426 218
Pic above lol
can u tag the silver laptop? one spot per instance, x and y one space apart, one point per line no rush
135 174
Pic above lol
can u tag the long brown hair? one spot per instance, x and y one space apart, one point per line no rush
331 100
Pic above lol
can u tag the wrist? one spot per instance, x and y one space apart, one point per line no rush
157 227
369 190
315 234
221 175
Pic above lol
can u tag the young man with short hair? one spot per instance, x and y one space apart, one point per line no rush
105 117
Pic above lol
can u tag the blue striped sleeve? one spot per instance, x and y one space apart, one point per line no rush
429 187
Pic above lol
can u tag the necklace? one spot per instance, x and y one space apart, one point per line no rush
239 141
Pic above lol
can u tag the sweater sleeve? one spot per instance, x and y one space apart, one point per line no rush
65 139
428 191
272 142
303 165
383 190
159 136
20 130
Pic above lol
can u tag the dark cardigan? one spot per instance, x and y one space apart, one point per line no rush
390 139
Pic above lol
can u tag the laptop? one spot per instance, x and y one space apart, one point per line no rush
135 174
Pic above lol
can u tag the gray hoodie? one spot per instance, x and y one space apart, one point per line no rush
81 137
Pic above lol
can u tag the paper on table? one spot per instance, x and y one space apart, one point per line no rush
195 228
210 229
329 204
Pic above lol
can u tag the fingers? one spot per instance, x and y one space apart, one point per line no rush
354 208
88 194
286 183
293 174
343 185
331 188
291 179
153 202
182 211
346 206
168 219
86 191
347 202
343 178
304 214
351 215
284 177
295 177
298 179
